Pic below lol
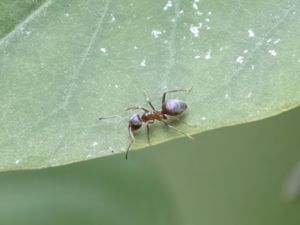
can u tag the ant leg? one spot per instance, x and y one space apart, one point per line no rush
178 119
166 92
149 102
179 131
148 134
135 107
132 140
148 131
109 117
151 105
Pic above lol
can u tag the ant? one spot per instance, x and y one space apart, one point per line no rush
170 108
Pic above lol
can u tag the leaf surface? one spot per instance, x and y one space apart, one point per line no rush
66 63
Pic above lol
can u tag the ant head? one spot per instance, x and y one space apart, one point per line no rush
135 122
173 107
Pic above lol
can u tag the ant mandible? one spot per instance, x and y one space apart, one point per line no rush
170 108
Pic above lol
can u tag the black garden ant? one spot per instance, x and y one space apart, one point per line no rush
170 109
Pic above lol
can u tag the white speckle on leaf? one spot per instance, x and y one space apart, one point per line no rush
199 13
28 32
95 143
195 29
116 86
221 49
249 95
197 57
166 41
143 63
209 13
181 12
103 50
156 33
184 37
245 51
207 19
195 6
269 40
168 5
276 41
135 48
240 59
18 161
251 33
203 118
273 52
67 14
208 55
207 28
89 156
252 67
113 18
226 96
22 29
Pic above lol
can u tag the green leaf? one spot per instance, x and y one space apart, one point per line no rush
66 63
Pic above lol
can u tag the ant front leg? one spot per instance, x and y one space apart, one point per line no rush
132 140
177 90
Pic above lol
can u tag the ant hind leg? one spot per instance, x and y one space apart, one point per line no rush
163 99
179 131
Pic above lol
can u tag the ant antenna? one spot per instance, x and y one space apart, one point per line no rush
109 117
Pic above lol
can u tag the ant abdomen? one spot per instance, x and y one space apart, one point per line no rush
173 107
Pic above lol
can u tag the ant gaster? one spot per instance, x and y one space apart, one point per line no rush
170 108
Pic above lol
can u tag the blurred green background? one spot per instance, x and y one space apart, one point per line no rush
228 176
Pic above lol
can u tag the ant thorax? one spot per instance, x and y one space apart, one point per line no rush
151 116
